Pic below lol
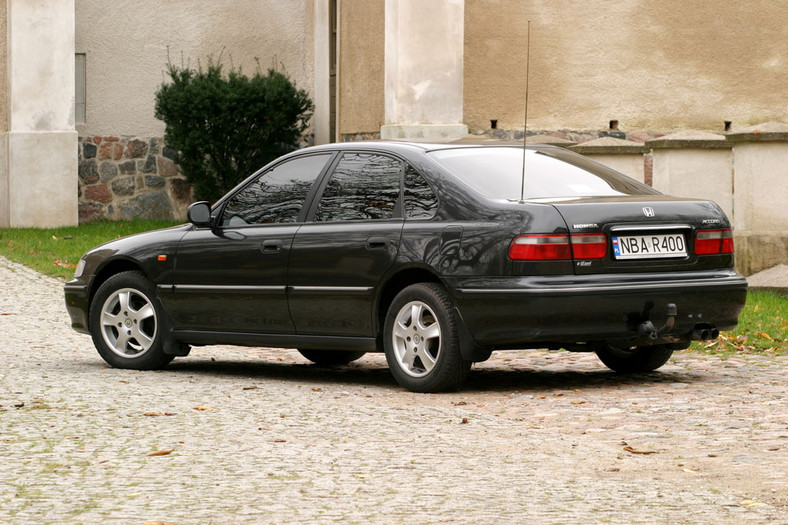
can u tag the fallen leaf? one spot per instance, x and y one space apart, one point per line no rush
250 388
317 389
689 471
750 503
460 404
579 402
162 452
633 451
203 408
159 523
152 414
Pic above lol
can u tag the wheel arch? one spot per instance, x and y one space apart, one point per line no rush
470 349
109 269
394 285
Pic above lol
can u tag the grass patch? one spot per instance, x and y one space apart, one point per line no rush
57 251
763 328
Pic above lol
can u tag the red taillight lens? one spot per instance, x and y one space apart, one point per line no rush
589 246
714 242
540 248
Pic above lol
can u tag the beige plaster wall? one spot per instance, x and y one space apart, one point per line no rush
3 65
4 204
698 173
361 66
39 161
128 42
666 65
761 187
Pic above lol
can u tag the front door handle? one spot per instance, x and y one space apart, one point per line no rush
272 246
377 243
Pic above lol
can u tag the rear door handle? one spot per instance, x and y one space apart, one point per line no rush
272 246
377 243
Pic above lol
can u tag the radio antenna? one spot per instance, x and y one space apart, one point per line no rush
525 123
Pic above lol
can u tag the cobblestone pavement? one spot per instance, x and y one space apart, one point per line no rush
259 436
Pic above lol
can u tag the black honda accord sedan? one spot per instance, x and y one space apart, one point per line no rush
435 255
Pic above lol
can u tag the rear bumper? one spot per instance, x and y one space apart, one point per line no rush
564 309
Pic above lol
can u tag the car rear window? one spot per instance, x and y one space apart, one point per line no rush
497 172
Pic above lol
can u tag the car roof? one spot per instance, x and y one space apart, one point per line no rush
426 146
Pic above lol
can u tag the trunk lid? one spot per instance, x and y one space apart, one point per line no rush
645 233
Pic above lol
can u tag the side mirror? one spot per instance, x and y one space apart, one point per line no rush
199 213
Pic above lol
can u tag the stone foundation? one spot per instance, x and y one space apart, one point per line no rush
124 178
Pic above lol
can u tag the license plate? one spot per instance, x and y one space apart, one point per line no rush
652 246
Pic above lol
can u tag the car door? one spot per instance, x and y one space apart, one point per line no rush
341 254
232 277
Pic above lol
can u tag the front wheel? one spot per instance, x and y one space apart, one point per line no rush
421 341
634 359
331 357
127 323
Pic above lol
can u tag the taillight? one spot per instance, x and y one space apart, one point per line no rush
540 248
714 242
558 247
589 246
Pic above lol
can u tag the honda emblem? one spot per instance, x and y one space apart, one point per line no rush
648 212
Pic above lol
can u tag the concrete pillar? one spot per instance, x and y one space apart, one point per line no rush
38 149
424 69
321 121
625 156
760 191
694 164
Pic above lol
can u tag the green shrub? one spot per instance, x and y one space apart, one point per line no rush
225 127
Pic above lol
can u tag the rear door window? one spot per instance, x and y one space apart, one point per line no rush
363 186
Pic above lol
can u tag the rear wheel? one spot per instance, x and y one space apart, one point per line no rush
127 324
421 340
331 357
634 359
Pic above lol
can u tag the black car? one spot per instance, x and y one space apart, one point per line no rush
434 254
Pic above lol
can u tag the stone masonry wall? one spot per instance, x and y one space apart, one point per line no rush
123 178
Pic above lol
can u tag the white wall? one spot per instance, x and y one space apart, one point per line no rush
127 43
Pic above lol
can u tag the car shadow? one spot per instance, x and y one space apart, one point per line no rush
499 378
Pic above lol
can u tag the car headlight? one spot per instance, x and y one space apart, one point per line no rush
80 269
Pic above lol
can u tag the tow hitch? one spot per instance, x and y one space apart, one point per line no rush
648 331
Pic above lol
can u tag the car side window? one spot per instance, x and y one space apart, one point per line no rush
277 195
363 186
420 201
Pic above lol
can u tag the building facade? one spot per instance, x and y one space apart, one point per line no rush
80 140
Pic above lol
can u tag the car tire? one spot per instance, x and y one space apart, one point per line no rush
127 323
331 357
634 359
421 341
